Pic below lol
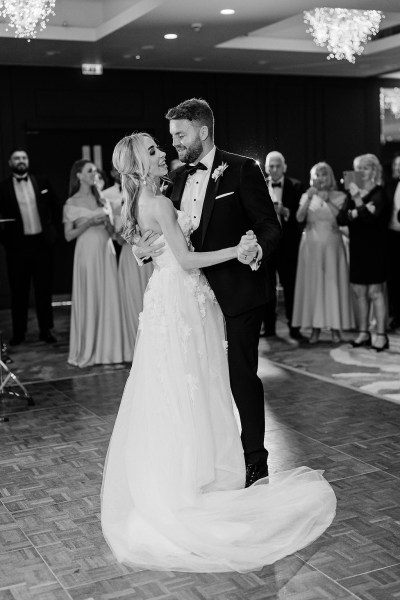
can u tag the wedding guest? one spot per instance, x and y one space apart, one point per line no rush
392 189
285 193
322 294
101 180
365 212
112 198
29 240
96 328
132 278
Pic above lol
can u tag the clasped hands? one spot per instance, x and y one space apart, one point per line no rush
247 249
358 194
148 246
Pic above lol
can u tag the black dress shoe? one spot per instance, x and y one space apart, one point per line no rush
256 471
16 340
46 336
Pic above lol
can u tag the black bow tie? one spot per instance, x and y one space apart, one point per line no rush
279 184
18 179
190 169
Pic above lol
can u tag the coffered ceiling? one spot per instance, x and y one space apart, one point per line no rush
263 36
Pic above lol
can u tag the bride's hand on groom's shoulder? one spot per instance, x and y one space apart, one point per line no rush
247 249
146 246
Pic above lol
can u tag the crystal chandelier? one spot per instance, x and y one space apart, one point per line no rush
27 17
390 100
343 31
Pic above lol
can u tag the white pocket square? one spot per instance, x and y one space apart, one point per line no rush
44 191
222 195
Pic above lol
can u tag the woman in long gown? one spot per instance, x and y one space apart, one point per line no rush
132 278
96 334
173 495
322 291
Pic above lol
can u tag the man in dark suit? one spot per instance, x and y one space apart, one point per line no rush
285 193
28 240
393 192
226 195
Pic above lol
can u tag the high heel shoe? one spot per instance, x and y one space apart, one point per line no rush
385 345
314 336
364 343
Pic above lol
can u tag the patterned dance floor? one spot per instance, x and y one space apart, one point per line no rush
51 458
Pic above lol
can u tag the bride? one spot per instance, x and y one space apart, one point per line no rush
173 495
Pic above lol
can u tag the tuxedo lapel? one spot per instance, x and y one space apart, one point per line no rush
211 192
178 187
12 199
286 193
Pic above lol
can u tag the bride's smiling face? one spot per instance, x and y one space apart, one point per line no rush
158 166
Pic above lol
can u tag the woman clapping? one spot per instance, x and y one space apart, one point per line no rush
366 214
322 294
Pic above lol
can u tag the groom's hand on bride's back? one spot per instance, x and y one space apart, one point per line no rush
146 246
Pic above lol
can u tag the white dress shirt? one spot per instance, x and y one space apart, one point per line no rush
276 192
394 222
195 190
26 199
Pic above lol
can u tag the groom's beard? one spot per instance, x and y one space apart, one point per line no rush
191 154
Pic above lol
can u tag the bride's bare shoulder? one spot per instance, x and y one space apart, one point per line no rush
162 204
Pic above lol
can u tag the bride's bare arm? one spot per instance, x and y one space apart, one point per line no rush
165 215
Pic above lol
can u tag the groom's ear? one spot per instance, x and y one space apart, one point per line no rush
203 132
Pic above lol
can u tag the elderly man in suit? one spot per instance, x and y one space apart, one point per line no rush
285 193
28 239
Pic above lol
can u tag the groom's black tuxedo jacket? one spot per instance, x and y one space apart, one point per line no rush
234 203
11 234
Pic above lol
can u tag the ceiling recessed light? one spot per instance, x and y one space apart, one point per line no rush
137 56
170 36
227 11
148 47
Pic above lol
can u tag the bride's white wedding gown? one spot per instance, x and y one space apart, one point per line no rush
173 494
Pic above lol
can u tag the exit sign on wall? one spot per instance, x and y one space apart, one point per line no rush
92 69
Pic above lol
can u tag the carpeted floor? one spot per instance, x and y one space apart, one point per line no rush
359 368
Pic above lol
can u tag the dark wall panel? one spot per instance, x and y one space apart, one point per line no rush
53 112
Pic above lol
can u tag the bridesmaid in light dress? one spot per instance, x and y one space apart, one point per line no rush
96 334
322 293
132 278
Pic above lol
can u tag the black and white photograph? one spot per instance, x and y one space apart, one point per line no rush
199 300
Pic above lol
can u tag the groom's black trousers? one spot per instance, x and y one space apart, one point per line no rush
243 332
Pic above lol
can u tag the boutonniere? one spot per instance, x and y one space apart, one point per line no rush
218 172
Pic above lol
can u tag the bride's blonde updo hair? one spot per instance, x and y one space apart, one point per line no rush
131 159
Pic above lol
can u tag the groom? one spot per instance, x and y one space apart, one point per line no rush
226 194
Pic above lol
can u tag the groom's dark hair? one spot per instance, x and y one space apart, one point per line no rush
195 109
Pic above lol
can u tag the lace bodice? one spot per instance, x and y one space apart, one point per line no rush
167 258
171 287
